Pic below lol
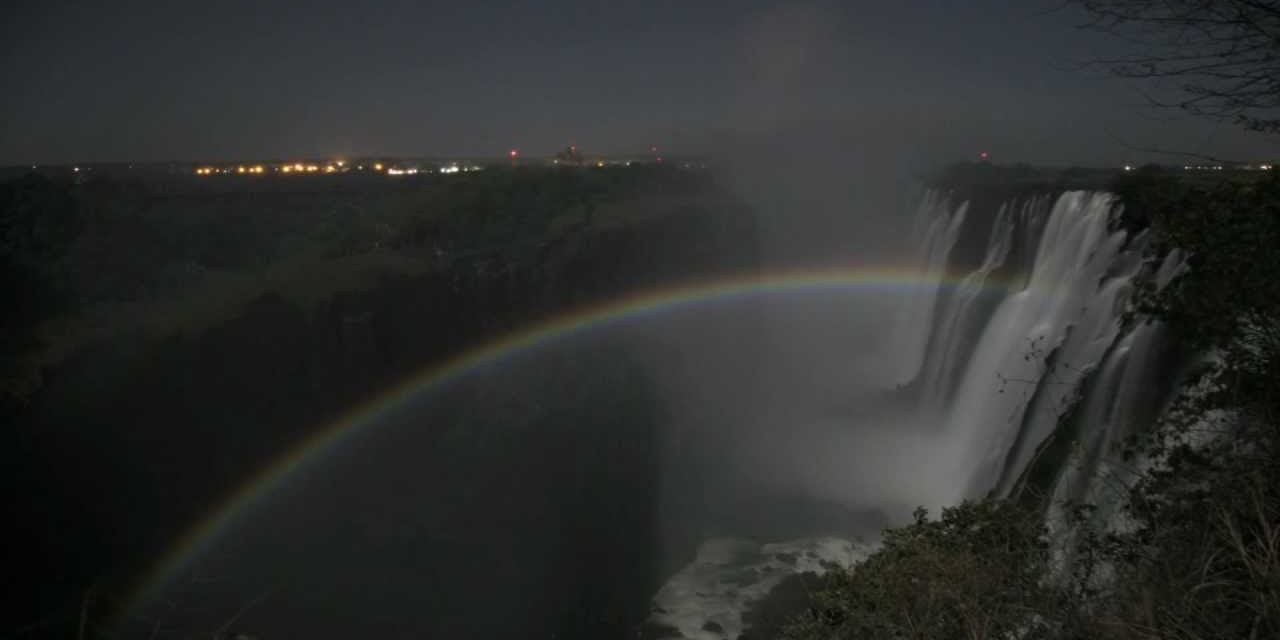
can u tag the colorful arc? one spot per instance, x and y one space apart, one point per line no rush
315 447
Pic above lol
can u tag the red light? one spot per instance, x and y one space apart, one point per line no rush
984 155
515 153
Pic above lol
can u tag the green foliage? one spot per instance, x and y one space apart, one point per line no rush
1202 555
1231 292
1144 192
978 572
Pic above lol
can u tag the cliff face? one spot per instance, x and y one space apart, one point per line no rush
129 440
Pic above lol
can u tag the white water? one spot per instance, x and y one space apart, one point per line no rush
1030 341
706 599
953 337
1120 403
942 226
1040 343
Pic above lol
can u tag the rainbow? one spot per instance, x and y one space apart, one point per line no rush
633 308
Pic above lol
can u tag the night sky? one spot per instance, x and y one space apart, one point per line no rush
149 81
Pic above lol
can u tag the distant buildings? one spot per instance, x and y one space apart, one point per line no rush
569 156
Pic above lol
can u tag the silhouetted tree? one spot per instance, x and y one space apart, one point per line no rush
1213 58
570 155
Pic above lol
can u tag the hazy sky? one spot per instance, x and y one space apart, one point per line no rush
232 79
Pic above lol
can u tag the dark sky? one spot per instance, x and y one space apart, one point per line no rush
231 79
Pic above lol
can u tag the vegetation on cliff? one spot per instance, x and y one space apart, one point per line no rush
1195 553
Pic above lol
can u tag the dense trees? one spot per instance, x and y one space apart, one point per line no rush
1205 549
977 572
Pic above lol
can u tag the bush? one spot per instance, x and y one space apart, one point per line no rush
1202 555
978 572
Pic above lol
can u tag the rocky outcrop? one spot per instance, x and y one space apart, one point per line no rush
712 597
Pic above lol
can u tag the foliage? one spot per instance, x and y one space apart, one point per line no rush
1144 193
1230 296
1202 558
977 572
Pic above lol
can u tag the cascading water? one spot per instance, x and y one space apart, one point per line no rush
941 226
1126 397
1040 345
1016 357
971 304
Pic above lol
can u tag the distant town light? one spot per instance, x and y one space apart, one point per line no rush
377 166
1128 167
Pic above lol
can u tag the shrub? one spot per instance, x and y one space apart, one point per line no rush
977 572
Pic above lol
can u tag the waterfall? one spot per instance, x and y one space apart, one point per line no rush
1006 360
941 225
1015 367
970 305
1133 388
